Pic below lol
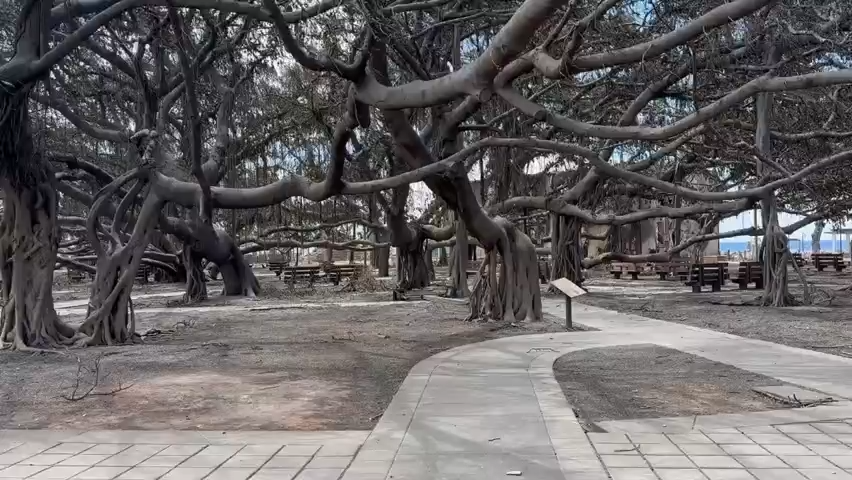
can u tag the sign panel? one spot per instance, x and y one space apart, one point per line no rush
568 287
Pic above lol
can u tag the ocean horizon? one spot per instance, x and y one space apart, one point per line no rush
795 246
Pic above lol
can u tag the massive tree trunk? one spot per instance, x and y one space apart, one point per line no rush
411 269
28 236
515 295
776 257
219 248
458 264
110 319
566 251
196 281
816 237
776 253
382 257
238 277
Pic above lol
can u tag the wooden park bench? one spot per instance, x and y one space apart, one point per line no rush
75 275
677 267
337 272
834 260
749 272
703 274
617 269
304 272
799 259
142 273
276 267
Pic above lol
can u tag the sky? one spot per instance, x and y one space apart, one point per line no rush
746 219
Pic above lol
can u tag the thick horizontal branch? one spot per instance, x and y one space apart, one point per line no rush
560 206
667 256
75 8
714 109
637 178
356 245
474 78
187 194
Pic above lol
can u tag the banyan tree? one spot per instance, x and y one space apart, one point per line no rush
185 133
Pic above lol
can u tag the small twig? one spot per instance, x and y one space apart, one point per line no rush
845 345
95 372
634 449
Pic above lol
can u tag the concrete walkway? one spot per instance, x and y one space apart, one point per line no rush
491 410
483 410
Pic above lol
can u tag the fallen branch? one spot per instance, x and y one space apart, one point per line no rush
95 372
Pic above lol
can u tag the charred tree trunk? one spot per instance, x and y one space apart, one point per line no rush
776 253
28 236
196 281
110 319
412 271
776 257
238 277
816 237
458 264
382 257
442 257
566 250
515 295
219 248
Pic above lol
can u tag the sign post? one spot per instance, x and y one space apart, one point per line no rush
570 290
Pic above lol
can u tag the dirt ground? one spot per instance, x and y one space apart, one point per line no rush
304 363
825 328
649 381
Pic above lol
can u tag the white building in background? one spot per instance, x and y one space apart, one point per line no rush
658 234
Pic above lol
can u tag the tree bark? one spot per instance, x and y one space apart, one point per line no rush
566 250
382 257
218 247
28 236
411 267
196 281
458 264
776 254
816 237
28 232
110 319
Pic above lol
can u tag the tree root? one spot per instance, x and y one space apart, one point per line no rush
412 270
515 294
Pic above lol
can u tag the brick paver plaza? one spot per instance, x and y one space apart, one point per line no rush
480 411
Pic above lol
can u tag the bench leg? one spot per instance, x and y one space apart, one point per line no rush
662 276
696 289
742 285
820 268
758 284
617 275
717 287
634 276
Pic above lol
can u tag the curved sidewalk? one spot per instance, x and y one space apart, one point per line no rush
483 410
